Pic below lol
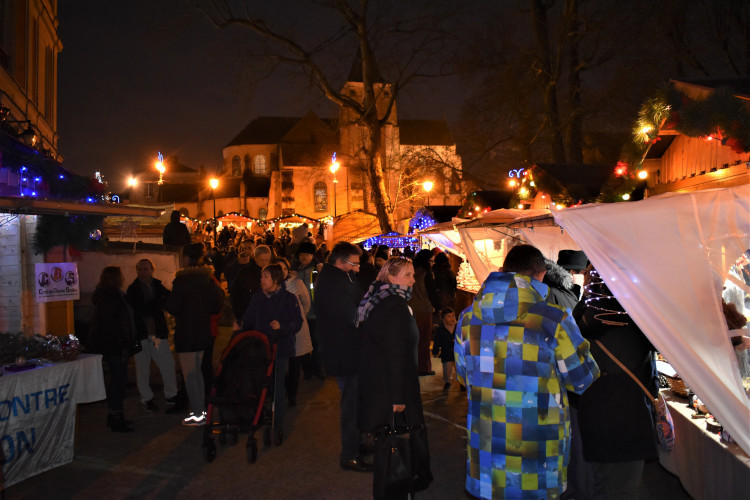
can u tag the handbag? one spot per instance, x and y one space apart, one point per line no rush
402 460
660 411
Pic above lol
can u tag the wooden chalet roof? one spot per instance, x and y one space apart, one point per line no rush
739 84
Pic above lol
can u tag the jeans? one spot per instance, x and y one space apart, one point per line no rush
350 436
164 360
191 372
118 377
279 393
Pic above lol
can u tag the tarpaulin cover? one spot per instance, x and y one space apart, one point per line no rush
666 259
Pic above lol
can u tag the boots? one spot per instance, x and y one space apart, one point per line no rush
117 423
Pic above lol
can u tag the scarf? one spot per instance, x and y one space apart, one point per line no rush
378 292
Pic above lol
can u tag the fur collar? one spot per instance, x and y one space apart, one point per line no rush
557 276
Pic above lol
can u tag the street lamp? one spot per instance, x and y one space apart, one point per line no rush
214 183
161 168
333 168
427 186
132 182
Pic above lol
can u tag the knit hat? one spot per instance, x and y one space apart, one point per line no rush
572 260
306 247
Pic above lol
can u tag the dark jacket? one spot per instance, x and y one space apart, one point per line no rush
614 414
388 373
281 306
443 343
153 308
195 297
424 297
366 275
176 234
337 296
111 331
561 286
445 285
244 285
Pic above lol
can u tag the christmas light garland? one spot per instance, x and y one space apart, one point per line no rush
593 296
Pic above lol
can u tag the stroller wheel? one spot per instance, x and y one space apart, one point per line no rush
267 436
234 436
209 451
252 453
223 437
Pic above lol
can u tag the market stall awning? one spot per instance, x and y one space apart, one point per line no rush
666 259
355 226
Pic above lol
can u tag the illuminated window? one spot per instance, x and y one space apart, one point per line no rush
320 194
259 165
262 214
236 166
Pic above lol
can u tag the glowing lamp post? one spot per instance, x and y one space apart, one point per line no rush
132 182
214 183
161 169
334 168
427 186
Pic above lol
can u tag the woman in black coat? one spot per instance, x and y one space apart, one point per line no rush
112 334
195 297
276 312
389 375
614 414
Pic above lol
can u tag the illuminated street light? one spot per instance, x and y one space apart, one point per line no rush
642 174
161 168
334 168
214 183
427 186
132 182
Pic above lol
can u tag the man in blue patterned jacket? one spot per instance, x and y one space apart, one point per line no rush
518 356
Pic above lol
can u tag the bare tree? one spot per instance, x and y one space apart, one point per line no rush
397 38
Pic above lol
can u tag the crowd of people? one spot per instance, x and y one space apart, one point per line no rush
550 415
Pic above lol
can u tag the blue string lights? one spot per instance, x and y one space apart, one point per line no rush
392 240
422 220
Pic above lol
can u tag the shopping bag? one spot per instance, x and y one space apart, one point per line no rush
664 424
402 461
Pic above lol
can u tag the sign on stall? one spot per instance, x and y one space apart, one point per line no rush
57 281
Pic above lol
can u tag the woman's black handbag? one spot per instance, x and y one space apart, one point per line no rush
402 460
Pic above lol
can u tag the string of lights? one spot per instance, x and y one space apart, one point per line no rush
596 292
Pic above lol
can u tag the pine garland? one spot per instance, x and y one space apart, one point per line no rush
720 115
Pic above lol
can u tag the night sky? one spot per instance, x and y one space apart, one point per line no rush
144 76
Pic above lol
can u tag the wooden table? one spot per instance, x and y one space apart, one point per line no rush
707 467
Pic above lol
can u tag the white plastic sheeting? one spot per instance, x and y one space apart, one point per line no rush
486 246
666 259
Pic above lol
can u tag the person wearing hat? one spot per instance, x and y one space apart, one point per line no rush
574 261
307 269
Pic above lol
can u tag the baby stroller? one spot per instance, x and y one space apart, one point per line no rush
242 388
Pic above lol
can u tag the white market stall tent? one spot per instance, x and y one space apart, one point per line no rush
487 239
666 258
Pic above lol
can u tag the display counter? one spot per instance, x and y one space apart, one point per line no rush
707 467
38 412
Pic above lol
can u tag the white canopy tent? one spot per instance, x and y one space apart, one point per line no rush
666 259
487 239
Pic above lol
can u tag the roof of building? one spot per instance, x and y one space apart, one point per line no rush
265 130
355 74
424 132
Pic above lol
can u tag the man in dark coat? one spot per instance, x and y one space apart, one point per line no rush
337 296
147 296
560 283
176 233
247 281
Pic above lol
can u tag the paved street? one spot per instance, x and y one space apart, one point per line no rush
162 459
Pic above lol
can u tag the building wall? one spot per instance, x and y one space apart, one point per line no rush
28 66
19 311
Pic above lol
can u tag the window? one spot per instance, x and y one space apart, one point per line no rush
236 166
149 189
49 83
259 165
262 214
320 195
